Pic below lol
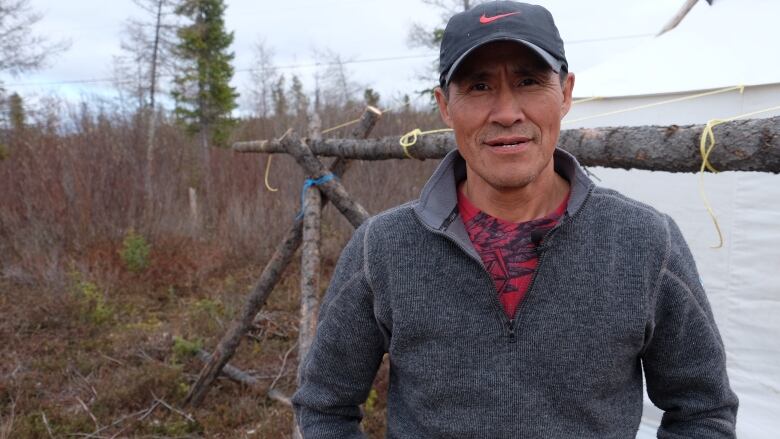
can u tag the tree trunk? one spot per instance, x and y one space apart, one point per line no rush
155 51
741 145
151 127
151 120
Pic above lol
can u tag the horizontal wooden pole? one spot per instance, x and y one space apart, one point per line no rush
741 145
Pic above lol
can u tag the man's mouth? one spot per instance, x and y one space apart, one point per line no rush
507 142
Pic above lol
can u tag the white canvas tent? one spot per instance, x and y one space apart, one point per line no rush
714 50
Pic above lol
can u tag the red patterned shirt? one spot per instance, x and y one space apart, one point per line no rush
506 249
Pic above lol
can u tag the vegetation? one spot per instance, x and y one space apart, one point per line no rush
430 38
204 97
147 52
112 282
135 252
107 297
21 49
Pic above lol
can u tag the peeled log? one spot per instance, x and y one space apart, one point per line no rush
741 145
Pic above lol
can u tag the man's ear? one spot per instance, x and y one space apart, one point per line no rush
442 101
568 87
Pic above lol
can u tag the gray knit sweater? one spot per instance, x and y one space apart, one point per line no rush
616 293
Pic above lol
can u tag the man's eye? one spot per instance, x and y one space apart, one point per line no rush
479 87
528 81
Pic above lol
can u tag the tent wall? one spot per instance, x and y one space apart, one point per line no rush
742 279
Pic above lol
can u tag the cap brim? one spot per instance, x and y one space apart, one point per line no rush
554 63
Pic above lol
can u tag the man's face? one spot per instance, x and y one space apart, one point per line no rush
505 106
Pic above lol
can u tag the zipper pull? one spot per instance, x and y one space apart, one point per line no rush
449 219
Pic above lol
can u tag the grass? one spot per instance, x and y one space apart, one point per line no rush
64 372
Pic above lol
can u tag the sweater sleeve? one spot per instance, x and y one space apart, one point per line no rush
337 374
684 359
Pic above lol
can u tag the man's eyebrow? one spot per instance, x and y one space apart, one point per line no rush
477 75
481 74
529 70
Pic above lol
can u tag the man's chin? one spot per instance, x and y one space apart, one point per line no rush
511 183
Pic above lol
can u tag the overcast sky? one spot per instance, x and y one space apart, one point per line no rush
359 30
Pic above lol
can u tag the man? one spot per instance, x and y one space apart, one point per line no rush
515 298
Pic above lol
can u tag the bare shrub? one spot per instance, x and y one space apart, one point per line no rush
74 187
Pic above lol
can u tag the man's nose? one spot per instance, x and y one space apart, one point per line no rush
507 107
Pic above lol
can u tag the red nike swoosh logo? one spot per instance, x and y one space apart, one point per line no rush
485 20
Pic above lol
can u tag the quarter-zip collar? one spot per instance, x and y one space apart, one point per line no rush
437 207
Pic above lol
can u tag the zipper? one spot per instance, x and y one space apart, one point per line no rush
508 324
541 250
447 221
512 338
502 318
540 255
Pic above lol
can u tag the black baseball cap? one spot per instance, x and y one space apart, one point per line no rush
530 25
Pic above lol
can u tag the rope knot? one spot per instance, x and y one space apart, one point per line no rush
310 182
410 139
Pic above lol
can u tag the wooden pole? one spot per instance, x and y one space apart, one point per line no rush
742 145
310 271
268 279
231 371
336 192
678 17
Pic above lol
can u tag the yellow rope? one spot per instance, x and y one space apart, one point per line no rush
345 124
351 122
268 165
709 136
410 139
267 172
706 145
741 89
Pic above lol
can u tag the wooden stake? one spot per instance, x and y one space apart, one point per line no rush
310 271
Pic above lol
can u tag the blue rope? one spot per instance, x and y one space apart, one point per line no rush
309 182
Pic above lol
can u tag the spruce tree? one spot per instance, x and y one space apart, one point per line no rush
299 100
204 97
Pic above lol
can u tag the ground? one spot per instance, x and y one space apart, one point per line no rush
88 361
